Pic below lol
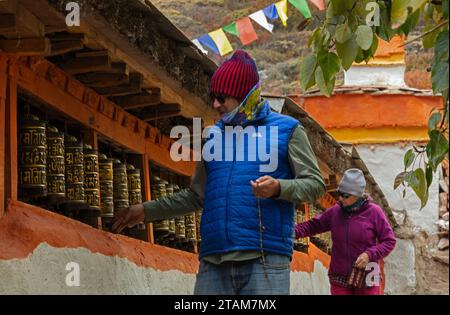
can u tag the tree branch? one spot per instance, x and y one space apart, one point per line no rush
426 33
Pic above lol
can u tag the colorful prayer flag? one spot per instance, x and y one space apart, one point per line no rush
282 11
261 19
221 41
246 31
199 46
302 6
271 12
231 28
319 4
207 41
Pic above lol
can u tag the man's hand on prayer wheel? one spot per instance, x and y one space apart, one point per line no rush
128 217
266 187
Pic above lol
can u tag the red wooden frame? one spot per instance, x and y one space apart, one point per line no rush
40 78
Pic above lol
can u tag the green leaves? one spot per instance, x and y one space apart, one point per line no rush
364 36
326 87
439 66
401 9
434 119
343 33
345 37
325 73
347 52
400 178
437 148
418 182
307 69
330 64
429 39
408 159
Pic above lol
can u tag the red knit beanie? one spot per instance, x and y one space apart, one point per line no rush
236 76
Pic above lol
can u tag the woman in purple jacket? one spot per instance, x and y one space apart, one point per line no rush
361 237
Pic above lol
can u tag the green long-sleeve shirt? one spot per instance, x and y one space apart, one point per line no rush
306 186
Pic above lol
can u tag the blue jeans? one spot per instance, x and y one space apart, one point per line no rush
248 277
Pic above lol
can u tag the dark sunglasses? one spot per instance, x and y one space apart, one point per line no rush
220 98
344 195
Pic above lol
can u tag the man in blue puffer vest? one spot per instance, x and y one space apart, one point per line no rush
247 225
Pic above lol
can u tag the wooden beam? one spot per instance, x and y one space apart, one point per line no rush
63 36
137 100
103 79
133 87
109 127
11 157
8 24
93 53
65 46
147 193
161 111
28 25
39 46
87 64
119 67
3 94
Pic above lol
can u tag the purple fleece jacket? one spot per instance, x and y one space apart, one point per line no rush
365 230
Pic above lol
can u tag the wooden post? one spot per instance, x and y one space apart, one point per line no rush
3 86
11 158
147 193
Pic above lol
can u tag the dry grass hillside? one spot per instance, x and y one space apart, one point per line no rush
278 55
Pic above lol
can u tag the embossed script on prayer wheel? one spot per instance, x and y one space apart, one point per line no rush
56 179
190 228
159 190
180 227
74 162
134 185
91 177
32 157
120 186
198 219
106 186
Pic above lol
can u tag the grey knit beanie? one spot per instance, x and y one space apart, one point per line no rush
353 182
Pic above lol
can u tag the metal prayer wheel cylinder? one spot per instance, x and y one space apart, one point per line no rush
56 179
158 191
120 186
134 185
74 164
33 156
91 177
105 166
190 228
180 227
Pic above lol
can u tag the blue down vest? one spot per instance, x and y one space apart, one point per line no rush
230 212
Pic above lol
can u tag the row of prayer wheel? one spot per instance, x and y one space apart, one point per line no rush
54 164
182 228
323 240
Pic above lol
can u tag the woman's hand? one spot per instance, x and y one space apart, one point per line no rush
128 217
266 187
362 261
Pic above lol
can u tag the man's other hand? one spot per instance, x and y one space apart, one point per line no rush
128 217
266 187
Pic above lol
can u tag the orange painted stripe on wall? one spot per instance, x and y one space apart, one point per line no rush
25 226
379 135
371 111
